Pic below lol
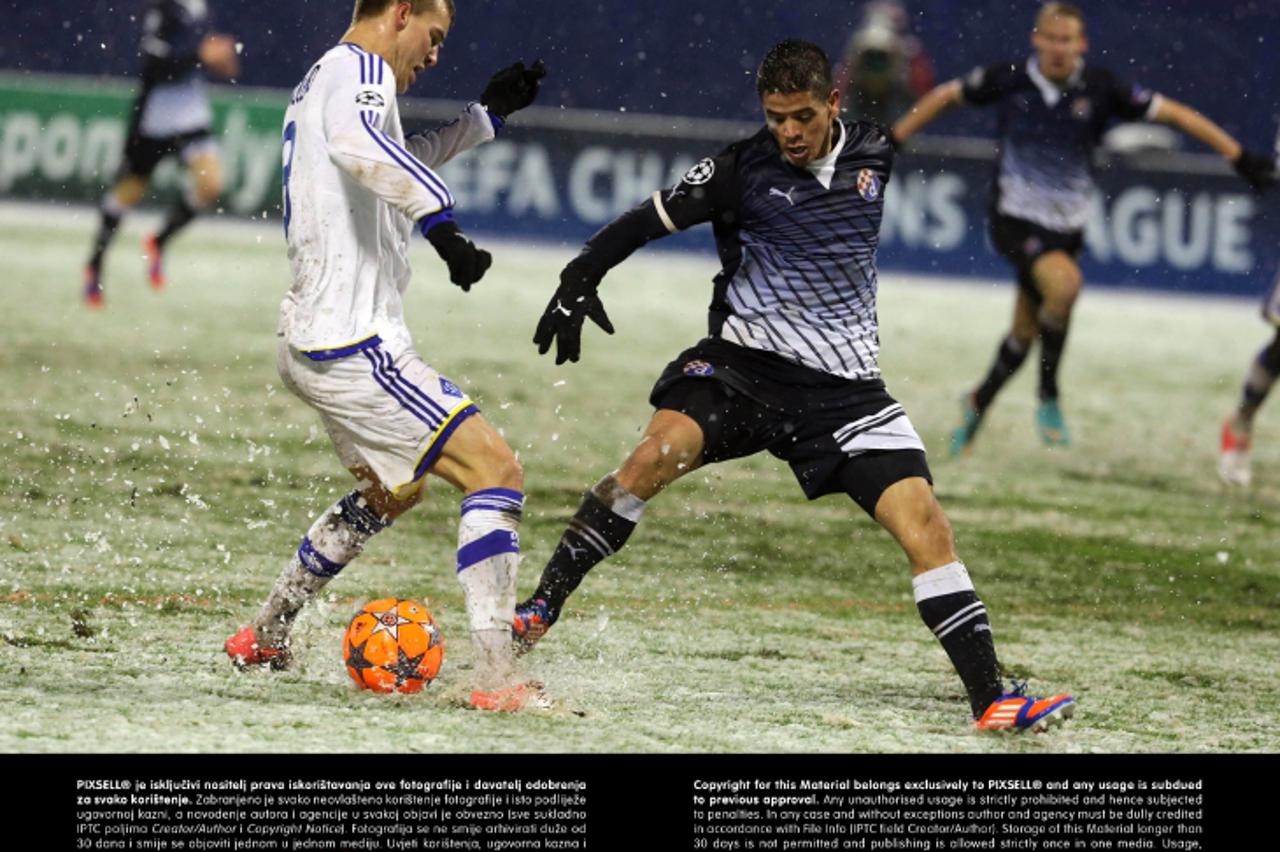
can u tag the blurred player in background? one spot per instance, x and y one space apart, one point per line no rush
884 68
170 116
1053 110
1237 432
790 364
355 190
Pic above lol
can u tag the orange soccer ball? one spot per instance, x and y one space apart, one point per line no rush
393 645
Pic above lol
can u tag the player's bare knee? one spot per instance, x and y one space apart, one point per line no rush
507 472
935 528
1024 333
655 462
387 504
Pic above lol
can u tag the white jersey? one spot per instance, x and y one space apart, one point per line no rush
353 189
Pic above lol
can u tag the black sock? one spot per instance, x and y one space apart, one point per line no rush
180 215
1009 358
950 608
1053 338
596 532
110 221
1261 376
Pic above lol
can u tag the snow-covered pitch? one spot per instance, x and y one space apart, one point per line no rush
156 475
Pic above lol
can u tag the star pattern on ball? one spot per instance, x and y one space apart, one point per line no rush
389 622
406 667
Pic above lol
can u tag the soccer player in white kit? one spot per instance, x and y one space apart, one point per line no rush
355 189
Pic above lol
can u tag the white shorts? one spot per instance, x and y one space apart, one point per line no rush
390 412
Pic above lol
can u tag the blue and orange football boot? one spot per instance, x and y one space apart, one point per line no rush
1015 711
531 623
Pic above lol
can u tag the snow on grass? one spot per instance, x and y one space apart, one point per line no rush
157 474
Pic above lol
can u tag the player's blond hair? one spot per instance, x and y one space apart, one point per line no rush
1060 10
373 8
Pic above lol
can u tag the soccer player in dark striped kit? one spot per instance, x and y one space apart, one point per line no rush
789 364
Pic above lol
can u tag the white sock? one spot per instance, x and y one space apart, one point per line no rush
488 558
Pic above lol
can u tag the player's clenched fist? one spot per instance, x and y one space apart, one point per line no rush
512 88
561 322
466 262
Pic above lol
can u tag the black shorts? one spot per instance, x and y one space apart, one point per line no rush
1022 243
143 153
838 436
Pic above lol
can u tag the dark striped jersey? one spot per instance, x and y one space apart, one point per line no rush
797 246
173 100
1044 173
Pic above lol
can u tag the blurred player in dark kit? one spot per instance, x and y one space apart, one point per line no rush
171 116
790 364
1053 109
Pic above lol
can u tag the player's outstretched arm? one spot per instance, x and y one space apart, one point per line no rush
1258 170
439 145
357 95
513 88
940 99
707 191
576 299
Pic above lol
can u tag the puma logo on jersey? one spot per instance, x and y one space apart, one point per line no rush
773 190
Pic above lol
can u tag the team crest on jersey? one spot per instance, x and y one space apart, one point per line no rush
370 98
698 368
868 185
1082 108
450 388
700 172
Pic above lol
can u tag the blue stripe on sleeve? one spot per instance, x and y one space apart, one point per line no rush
404 162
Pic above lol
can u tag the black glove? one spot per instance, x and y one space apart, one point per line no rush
1258 170
467 264
575 298
512 88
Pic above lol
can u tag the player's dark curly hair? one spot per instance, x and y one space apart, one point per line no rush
794 66
372 8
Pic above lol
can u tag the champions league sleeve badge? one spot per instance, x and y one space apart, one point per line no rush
700 172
